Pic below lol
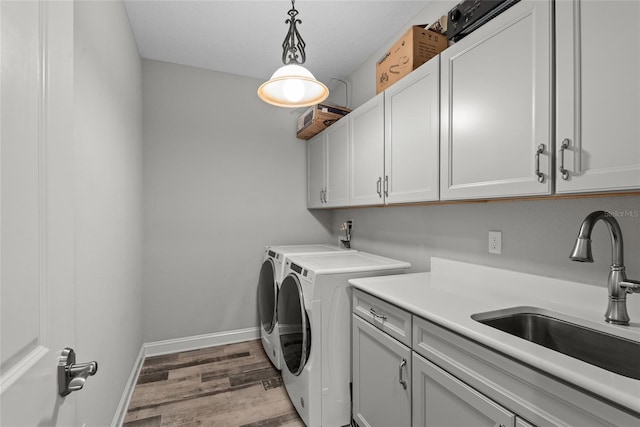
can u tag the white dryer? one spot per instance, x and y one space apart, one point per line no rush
271 274
314 315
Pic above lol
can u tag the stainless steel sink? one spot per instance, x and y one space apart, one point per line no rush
548 329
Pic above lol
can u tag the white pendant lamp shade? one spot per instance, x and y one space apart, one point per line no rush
293 86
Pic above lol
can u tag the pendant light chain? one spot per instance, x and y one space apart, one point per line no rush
293 43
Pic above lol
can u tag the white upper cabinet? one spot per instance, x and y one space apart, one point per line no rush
328 167
411 160
367 152
337 172
496 107
316 170
598 96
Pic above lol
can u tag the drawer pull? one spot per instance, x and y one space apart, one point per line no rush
375 314
402 364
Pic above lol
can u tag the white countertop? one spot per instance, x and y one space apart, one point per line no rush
453 291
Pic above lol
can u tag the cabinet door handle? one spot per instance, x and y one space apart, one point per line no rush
379 187
403 362
376 315
563 171
539 151
386 186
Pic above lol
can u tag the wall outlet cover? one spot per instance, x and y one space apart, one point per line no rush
495 242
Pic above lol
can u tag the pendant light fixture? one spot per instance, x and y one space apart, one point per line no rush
292 85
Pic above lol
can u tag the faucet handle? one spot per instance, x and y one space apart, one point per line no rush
630 286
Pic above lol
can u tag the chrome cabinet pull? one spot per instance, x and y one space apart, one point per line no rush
402 364
376 315
379 187
386 186
539 151
563 171
321 193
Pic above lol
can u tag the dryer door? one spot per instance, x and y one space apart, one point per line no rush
293 324
267 296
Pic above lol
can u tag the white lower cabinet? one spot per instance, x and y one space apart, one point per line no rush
381 374
441 400
452 381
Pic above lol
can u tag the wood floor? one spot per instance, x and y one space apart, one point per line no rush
232 386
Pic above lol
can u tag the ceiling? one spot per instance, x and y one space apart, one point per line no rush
245 37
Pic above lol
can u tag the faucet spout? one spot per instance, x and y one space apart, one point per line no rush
582 249
617 284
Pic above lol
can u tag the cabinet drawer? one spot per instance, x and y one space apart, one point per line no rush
386 317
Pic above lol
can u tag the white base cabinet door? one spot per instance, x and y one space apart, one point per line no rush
380 367
441 400
598 90
496 107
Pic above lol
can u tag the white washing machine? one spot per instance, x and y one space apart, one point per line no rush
271 274
314 315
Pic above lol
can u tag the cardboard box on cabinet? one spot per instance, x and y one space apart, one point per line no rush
414 48
317 117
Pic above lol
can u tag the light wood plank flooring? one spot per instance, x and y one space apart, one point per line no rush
232 386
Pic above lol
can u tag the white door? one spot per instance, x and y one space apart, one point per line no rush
412 129
37 257
367 152
337 172
381 378
442 400
316 169
598 90
496 107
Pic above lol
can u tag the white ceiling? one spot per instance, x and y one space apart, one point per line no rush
245 37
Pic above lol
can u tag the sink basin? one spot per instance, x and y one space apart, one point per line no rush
553 331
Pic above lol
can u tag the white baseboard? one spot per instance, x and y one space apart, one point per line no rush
158 348
121 410
195 342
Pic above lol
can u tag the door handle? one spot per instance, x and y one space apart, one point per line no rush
563 171
72 376
379 187
386 186
539 151
402 364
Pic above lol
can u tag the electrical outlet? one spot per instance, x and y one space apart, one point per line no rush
495 242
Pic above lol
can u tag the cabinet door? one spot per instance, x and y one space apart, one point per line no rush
522 423
379 399
367 152
496 106
441 400
411 160
598 90
316 164
337 172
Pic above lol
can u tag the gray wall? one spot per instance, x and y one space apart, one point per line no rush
108 139
224 176
537 236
